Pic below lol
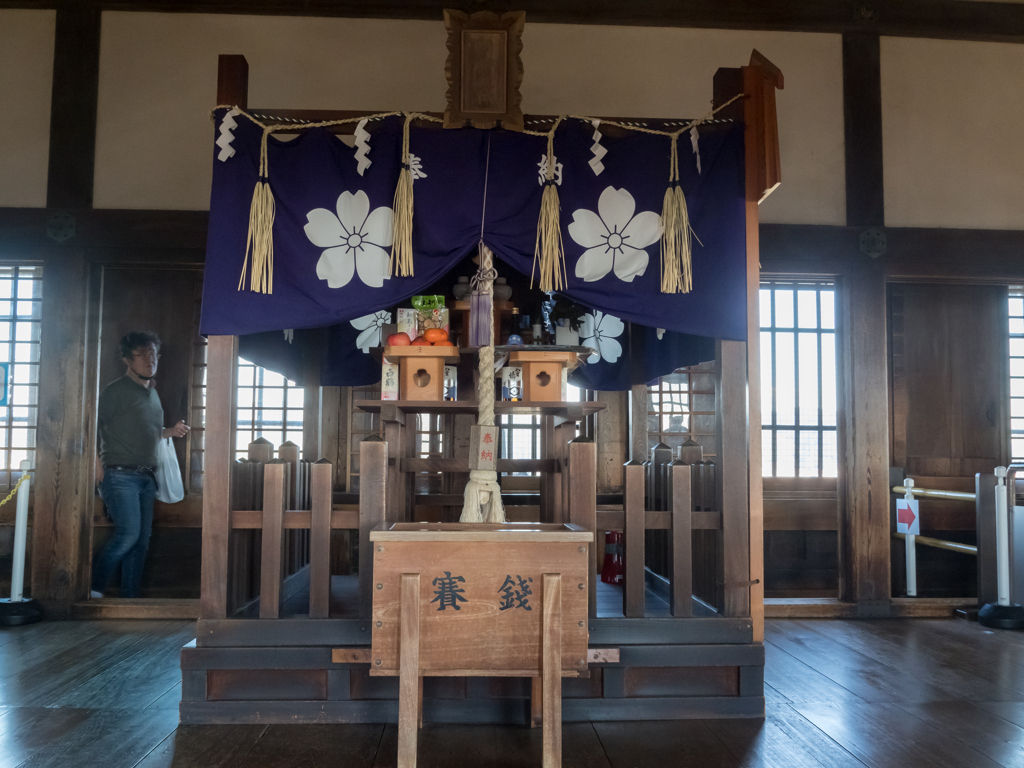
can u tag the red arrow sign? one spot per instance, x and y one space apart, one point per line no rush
905 515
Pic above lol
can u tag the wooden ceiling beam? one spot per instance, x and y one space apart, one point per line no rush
945 19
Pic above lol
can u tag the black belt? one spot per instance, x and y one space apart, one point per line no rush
139 468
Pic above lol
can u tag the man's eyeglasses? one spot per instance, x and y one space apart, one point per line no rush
147 355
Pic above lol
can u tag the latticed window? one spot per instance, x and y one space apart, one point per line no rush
21 296
798 379
197 399
1017 374
681 406
269 406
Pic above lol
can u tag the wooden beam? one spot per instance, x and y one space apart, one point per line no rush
76 68
862 113
945 19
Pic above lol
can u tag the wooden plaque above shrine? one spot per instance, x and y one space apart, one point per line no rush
484 69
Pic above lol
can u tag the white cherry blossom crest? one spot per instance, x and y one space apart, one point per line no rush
599 332
355 240
371 326
614 237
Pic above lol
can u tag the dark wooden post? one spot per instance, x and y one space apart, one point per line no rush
583 502
681 551
275 498
864 450
758 82
320 541
373 475
63 489
222 356
731 478
634 530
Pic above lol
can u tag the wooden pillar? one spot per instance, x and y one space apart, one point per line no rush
221 372
333 430
320 541
373 473
275 497
611 433
864 440
582 503
763 174
551 671
61 525
640 450
633 534
681 552
731 477
409 670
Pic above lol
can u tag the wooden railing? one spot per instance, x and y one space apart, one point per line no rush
282 519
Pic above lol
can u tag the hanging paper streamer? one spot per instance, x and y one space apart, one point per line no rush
362 148
694 137
227 125
599 152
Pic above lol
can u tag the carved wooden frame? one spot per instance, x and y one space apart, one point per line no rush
485 96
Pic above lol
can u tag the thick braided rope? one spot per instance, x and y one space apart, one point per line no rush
485 384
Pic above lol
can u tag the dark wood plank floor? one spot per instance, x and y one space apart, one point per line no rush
841 694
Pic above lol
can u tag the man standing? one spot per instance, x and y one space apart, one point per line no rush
131 423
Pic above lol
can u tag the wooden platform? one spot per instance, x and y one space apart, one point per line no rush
907 693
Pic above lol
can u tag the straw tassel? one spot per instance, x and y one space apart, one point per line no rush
260 238
676 247
401 250
549 251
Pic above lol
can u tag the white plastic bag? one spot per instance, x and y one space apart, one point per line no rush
168 477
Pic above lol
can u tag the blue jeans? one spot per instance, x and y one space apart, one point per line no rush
129 498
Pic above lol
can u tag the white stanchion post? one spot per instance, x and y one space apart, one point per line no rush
20 537
911 542
1002 539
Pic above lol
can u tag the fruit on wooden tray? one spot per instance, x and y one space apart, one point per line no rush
419 341
434 335
444 343
399 340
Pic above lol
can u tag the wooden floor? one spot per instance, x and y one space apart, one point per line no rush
840 694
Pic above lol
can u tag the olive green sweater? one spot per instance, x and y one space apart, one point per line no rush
131 422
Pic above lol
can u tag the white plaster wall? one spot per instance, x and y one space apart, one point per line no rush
667 72
953 132
158 82
26 80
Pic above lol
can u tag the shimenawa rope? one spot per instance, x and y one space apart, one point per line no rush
549 253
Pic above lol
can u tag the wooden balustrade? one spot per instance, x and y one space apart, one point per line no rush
285 497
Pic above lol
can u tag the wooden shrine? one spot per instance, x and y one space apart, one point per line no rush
282 640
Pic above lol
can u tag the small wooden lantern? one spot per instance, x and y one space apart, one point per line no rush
421 370
544 374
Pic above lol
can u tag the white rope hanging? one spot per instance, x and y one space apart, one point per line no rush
482 499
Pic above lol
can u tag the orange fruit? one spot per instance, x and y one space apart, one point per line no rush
434 335
444 343
419 341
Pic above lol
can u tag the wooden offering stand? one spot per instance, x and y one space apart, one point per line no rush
544 373
478 600
421 370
